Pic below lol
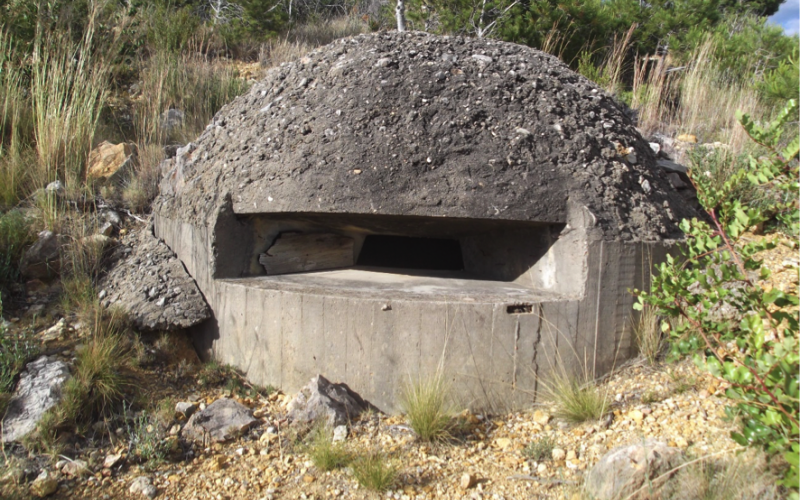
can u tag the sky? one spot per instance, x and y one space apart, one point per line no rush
788 16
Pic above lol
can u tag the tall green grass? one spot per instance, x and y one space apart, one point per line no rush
69 88
15 123
51 102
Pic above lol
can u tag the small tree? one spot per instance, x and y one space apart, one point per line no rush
757 351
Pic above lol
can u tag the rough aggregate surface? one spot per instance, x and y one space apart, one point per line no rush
150 283
416 124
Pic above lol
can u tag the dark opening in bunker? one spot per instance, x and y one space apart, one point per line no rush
404 252
488 260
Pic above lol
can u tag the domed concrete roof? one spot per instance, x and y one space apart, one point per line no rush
417 124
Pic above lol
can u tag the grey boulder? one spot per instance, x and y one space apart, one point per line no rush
335 404
632 470
38 390
43 259
222 420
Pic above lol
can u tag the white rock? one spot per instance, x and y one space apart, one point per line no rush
38 390
75 468
339 433
142 485
112 460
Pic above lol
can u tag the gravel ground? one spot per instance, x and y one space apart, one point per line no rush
674 403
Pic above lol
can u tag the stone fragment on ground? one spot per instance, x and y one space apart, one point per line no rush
625 470
339 434
75 468
149 282
143 486
42 260
112 460
336 404
55 332
171 119
44 485
468 481
222 420
38 390
111 162
185 409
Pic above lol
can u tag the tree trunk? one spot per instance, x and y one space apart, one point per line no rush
400 12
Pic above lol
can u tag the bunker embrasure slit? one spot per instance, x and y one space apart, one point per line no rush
405 252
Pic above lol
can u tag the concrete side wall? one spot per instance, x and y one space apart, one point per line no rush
493 358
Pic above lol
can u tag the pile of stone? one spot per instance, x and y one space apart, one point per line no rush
152 286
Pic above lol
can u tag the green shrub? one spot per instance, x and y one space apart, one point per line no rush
169 30
146 441
757 351
427 408
541 449
783 82
374 472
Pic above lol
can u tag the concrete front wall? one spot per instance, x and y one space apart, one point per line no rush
494 359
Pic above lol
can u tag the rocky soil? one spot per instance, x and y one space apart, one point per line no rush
673 403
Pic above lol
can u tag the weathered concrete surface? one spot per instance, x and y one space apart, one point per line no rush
551 196
373 330
415 124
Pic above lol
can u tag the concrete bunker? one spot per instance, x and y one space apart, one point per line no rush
400 203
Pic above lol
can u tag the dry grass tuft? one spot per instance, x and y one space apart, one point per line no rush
196 85
746 476
647 333
427 408
701 99
306 37
576 399
373 471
